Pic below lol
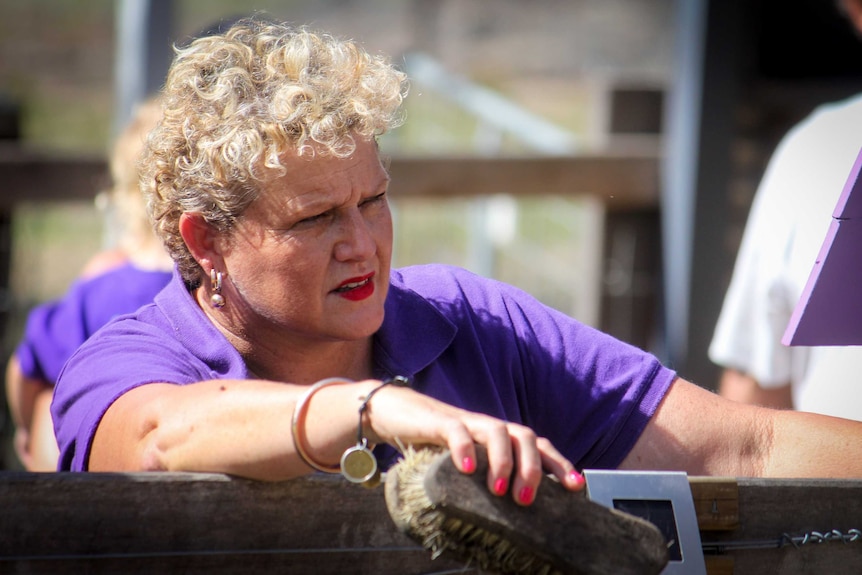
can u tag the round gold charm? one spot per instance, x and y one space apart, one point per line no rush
358 464
373 482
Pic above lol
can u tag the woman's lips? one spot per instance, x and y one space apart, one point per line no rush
357 289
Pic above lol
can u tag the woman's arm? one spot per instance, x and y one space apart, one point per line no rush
228 426
697 431
43 450
243 427
29 402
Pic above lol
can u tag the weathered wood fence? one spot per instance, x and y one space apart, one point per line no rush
58 523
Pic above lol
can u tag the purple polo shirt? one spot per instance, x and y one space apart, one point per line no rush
55 329
466 340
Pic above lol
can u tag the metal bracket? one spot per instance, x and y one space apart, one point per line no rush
661 497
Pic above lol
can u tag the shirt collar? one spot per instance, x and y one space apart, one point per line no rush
414 332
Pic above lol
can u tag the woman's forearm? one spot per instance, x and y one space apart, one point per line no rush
225 426
809 445
696 431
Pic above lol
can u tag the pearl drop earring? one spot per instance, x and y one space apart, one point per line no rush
216 299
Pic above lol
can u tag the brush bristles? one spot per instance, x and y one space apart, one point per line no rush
429 524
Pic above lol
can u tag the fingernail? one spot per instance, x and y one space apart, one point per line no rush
500 486
468 464
576 477
525 496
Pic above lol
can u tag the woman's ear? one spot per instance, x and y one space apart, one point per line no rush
198 236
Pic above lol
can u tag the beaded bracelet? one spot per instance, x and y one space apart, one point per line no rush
358 463
298 422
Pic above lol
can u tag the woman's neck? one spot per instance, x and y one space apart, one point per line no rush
274 357
352 360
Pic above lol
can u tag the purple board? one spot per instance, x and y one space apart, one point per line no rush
829 312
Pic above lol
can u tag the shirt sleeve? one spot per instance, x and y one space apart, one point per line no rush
517 359
591 392
52 332
123 356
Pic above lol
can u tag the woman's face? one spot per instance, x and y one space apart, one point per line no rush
312 254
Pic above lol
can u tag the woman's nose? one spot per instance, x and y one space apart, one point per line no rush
356 239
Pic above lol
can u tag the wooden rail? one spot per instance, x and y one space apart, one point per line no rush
769 509
61 523
37 176
620 181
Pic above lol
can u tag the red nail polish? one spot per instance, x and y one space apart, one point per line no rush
576 477
525 495
469 465
500 486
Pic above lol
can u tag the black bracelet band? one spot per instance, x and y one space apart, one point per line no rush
398 380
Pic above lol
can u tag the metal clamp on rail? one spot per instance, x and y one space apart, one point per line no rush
662 498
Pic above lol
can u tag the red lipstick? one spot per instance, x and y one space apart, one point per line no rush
357 289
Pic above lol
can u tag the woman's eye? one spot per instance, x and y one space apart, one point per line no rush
375 199
313 219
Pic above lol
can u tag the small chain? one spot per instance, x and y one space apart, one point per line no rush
786 539
817 537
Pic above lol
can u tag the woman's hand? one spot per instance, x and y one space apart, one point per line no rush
515 453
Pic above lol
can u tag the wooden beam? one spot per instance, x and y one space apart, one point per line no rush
769 509
207 523
37 176
619 181
716 502
198 523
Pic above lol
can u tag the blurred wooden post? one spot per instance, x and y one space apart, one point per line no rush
631 306
10 131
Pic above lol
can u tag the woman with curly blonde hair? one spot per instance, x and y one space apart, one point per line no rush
285 343
273 91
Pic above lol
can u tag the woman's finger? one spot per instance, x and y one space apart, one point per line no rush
528 471
501 461
555 463
461 446
516 456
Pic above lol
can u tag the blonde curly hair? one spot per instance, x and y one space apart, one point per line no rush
135 233
235 102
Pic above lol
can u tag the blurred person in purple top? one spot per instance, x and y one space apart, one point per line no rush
275 343
113 282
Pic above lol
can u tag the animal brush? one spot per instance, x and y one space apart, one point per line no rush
561 532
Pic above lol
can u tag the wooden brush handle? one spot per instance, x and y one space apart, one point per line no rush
562 529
